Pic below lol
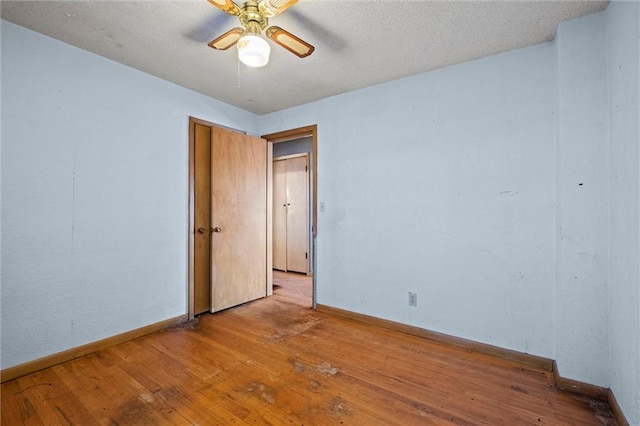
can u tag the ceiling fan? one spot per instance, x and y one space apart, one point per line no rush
253 50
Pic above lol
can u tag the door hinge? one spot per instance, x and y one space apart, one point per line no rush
306 255
306 168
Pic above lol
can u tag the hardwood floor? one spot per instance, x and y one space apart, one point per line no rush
294 288
275 361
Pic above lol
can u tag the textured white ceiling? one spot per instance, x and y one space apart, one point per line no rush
358 43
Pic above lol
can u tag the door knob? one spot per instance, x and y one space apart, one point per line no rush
217 229
201 230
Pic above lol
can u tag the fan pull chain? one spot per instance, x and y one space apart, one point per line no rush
238 58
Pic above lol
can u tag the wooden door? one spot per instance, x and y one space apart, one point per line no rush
297 215
280 215
239 218
202 219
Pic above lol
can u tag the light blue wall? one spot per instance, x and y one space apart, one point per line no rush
296 146
582 202
623 46
94 195
442 184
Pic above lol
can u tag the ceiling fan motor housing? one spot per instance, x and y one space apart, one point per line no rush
252 18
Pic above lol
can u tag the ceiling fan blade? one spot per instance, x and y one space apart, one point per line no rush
228 6
275 7
293 44
227 39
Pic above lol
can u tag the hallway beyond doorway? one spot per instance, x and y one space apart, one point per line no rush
293 287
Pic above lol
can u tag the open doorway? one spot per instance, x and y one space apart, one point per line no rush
297 283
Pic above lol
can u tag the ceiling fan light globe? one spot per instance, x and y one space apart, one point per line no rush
253 50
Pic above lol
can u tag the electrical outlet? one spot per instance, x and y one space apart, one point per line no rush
413 299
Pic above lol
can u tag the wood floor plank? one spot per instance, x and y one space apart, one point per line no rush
294 388
33 399
16 407
277 362
377 370
186 397
63 399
